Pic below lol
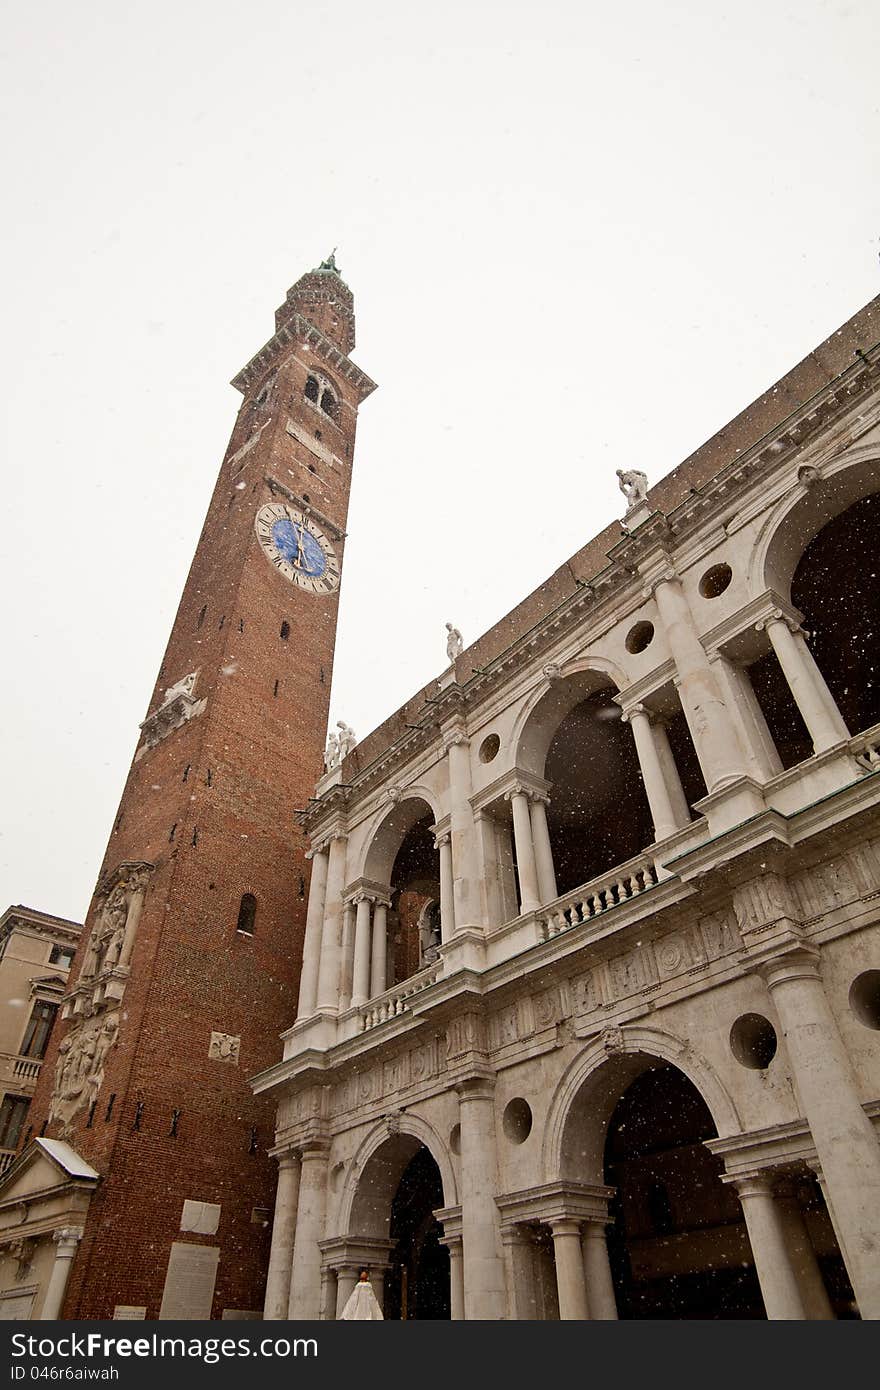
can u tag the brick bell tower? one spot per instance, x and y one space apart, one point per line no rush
189 965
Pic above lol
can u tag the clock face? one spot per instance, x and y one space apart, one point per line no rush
296 546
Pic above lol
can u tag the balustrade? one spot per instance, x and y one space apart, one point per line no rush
619 886
395 1001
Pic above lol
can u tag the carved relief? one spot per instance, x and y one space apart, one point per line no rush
223 1047
119 900
178 706
79 1069
763 902
465 1034
644 969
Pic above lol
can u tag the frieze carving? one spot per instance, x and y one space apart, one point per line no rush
79 1068
387 1079
762 903
826 886
466 1033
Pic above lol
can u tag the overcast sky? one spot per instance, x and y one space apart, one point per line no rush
580 236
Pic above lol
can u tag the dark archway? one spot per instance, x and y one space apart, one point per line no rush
417 1282
415 884
835 585
678 1247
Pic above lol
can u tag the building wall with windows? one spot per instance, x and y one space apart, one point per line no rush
639 1074
36 952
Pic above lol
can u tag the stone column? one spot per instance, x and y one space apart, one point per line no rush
545 871
802 1256
846 1145
66 1245
762 757
346 1278
328 1294
331 932
680 807
305 1278
779 1286
711 726
597 1271
466 892
277 1297
484 1294
135 908
525 851
378 964
308 980
656 790
347 970
360 990
812 696
570 1281
519 1262
447 895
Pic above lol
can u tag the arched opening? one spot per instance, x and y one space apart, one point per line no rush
403 855
247 914
598 816
826 555
399 1190
417 1282
678 1247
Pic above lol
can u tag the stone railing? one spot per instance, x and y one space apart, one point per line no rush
866 748
613 889
26 1068
396 1001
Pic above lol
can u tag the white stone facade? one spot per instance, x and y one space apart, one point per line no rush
738 949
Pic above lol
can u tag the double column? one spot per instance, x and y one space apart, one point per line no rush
369 975
666 798
846 1145
789 1275
534 855
807 684
583 1274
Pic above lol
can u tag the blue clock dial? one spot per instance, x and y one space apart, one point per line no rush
299 547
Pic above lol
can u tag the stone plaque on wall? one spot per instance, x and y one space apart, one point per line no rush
129 1312
189 1283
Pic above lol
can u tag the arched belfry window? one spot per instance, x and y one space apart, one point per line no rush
246 914
322 393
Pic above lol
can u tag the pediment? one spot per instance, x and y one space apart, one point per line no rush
45 1166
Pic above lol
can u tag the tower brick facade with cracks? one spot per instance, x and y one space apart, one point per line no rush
211 807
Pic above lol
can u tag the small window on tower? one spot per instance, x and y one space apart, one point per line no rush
312 389
247 914
285 630
328 405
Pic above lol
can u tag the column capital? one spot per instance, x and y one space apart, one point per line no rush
516 1233
564 1226
776 615
796 962
666 575
443 838
476 1086
631 711
457 738
67 1235
289 1159
751 1184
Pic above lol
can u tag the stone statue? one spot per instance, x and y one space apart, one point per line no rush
429 934
347 738
331 752
454 643
634 486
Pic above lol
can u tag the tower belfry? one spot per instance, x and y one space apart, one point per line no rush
189 966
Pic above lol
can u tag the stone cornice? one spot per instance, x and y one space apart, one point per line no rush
299 329
306 507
